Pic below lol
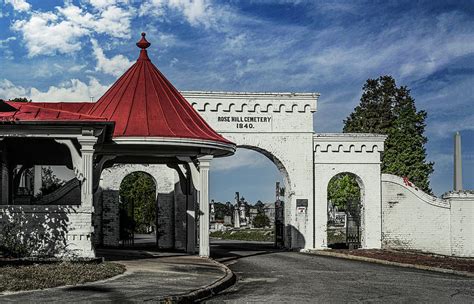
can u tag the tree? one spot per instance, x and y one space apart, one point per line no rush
221 210
21 99
261 221
260 206
343 188
387 109
50 182
139 189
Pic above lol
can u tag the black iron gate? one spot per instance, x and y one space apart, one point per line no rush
279 224
127 223
353 232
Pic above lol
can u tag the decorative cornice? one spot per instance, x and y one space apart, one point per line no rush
252 102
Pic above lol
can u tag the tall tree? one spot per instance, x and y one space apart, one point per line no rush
138 189
342 189
387 109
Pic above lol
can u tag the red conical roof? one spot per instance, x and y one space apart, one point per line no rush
143 103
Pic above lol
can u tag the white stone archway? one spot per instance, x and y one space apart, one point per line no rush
107 202
280 126
358 154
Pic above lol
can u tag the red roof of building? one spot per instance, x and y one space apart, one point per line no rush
26 111
143 103
78 107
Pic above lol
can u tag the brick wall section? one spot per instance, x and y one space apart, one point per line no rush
110 217
412 219
52 225
165 220
462 223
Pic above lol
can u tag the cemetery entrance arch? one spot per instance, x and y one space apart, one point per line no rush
344 211
280 126
358 154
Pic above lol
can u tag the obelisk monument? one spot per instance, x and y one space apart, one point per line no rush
457 163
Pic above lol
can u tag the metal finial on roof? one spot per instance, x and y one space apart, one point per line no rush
143 43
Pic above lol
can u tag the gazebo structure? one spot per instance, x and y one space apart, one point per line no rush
141 119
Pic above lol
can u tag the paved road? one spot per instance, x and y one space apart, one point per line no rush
266 275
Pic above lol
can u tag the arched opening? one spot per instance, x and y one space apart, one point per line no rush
248 195
138 210
344 206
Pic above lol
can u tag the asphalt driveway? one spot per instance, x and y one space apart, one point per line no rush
265 275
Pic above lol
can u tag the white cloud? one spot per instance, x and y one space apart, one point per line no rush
4 42
8 90
242 158
100 4
46 33
196 12
72 90
19 5
111 20
115 66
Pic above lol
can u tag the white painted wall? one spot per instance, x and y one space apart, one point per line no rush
358 154
415 220
280 126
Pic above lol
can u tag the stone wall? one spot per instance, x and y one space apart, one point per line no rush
462 222
414 220
59 230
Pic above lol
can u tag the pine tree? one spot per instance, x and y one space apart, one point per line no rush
374 113
387 109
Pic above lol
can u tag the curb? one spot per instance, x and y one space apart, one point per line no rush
389 263
205 292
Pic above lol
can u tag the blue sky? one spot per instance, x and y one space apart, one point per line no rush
71 50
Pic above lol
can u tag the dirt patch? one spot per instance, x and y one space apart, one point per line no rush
413 257
39 276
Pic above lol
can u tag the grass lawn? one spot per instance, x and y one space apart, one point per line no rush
39 276
261 235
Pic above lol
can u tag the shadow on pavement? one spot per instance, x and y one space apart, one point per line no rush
135 253
89 288
229 250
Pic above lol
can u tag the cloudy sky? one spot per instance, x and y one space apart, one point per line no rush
72 50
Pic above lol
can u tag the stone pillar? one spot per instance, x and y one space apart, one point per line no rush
86 229
87 152
204 164
190 215
457 162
